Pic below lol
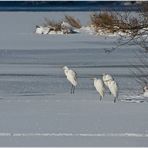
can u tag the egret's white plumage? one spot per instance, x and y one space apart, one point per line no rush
98 84
113 87
106 78
71 77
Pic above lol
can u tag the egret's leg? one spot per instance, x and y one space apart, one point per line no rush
73 89
100 98
115 99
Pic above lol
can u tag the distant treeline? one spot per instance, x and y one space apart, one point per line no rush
67 6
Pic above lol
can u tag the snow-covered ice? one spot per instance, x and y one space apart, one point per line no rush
36 107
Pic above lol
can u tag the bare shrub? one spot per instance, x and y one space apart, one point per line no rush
140 38
55 25
119 22
104 20
135 26
72 21
140 73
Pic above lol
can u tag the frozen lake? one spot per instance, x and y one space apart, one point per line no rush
36 107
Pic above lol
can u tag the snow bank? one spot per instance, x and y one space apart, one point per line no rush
88 29
66 28
42 30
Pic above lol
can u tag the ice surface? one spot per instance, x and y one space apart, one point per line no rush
36 107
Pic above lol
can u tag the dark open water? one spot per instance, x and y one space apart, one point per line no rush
67 6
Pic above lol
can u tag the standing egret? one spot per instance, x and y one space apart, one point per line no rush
98 84
112 85
106 78
72 78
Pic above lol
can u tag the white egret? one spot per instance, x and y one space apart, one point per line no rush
113 87
98 84
72 77
106 78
